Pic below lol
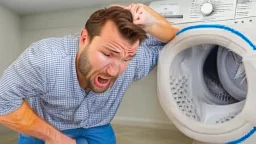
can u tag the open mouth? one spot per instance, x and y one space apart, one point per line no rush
102 81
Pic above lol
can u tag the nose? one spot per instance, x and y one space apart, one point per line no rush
114 68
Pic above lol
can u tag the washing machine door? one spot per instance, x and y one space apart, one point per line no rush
182 93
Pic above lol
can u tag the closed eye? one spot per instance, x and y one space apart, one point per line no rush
108 55
127 60
130 58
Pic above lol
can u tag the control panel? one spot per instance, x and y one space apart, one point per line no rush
183 11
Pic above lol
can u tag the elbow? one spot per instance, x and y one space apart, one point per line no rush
171 32
167 31
20 118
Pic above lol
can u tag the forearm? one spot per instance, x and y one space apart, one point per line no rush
160 27
24 120
162 30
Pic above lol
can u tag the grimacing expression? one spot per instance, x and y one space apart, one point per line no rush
105 58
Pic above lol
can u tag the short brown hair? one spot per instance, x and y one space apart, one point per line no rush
123 20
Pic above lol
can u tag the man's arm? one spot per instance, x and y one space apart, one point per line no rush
23 79
24 120
147 56
159 30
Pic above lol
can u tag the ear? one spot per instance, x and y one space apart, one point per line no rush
84 37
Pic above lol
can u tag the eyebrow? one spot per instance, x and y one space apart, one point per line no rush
112 50
130 56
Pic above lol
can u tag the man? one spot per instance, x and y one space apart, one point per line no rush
67 90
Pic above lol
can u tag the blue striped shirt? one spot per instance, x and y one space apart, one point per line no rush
45 76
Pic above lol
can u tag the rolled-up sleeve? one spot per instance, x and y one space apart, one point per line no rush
147 56
23 78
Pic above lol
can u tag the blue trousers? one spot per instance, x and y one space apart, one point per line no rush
97 135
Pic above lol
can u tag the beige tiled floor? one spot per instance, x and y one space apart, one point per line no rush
139 135
124 135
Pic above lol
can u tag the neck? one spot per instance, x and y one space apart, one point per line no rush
81 79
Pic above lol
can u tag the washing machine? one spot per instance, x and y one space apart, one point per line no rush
206 76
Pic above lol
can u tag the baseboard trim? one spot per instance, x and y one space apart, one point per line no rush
142 123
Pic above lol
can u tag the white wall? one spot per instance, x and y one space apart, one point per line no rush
9 38
9 42
140 103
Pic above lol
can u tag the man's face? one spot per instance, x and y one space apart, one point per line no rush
104 58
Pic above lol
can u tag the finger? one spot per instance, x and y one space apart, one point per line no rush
138 22
133 11
137 7
129 7
133 7
140 10
136 16
140 4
